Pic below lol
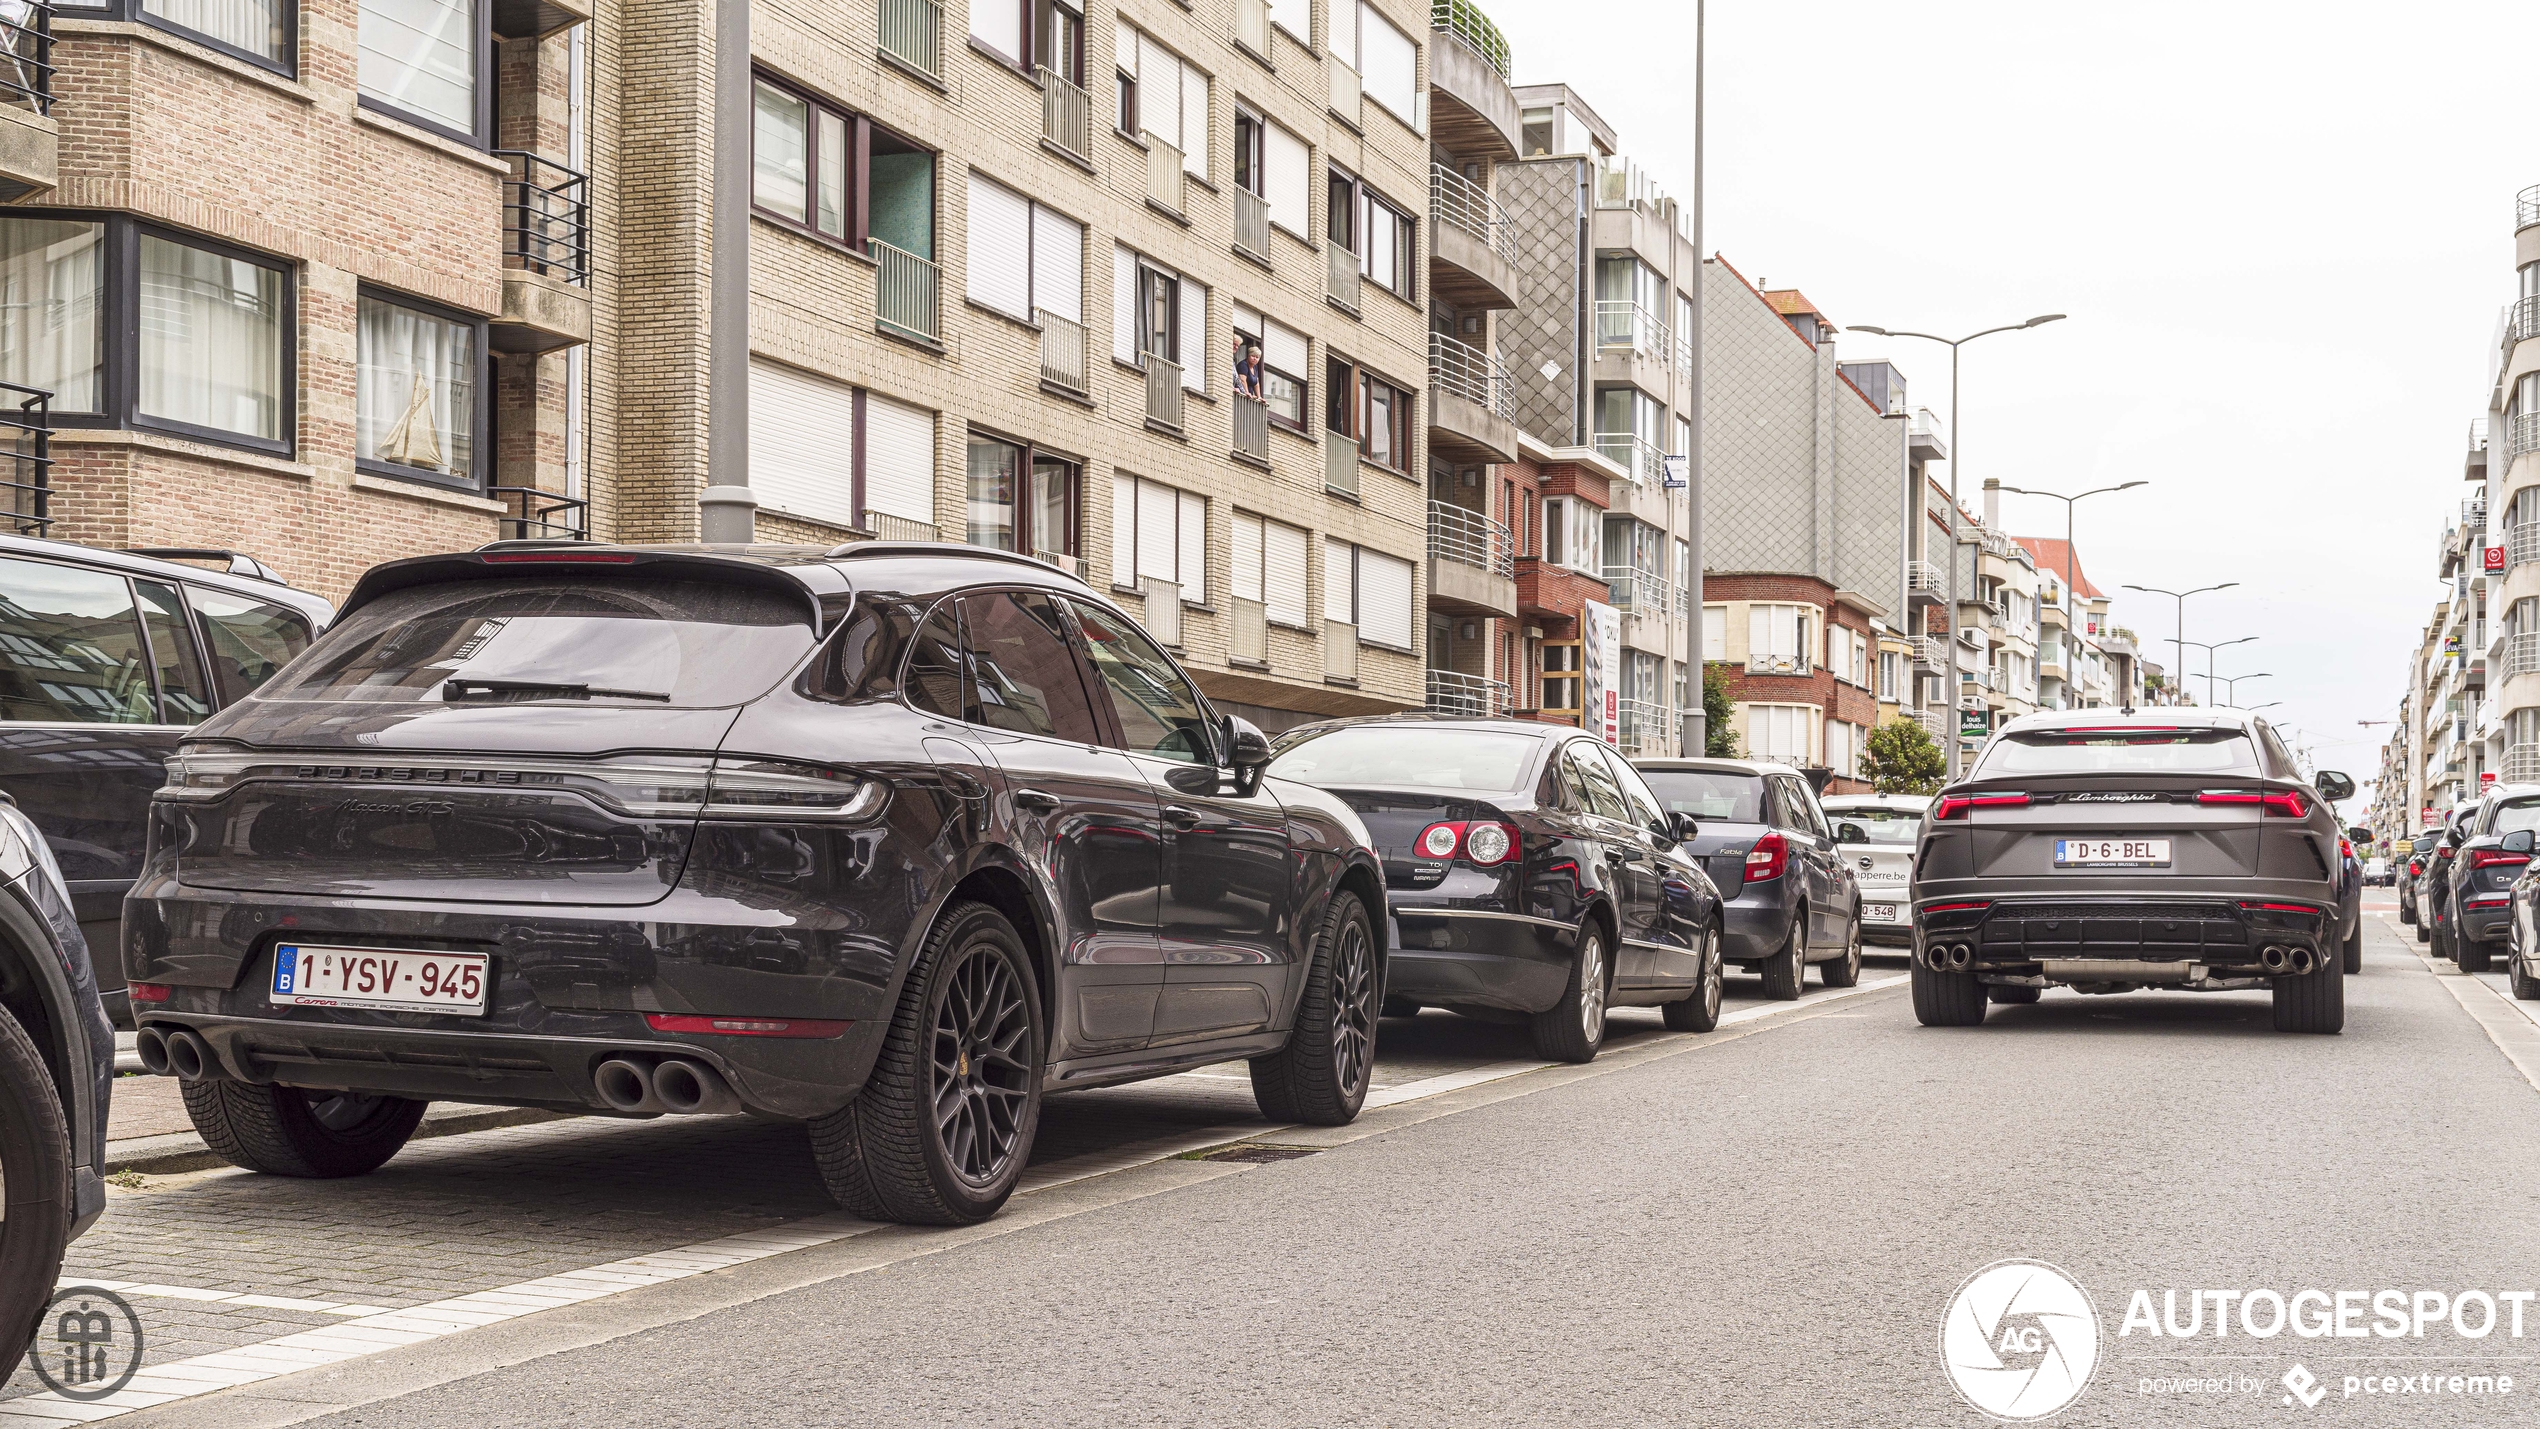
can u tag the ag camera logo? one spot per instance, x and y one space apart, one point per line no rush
2019 1340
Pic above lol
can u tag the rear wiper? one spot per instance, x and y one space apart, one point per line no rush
459 689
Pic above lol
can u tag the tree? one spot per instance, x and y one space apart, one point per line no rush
1904 760
1719 732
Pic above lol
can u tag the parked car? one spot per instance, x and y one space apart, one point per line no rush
890 840
2434 886
1877 834
57 1065
113 655
1792 900
2479 877
2179 849
2420 856
1532 873
2377 871
2522 927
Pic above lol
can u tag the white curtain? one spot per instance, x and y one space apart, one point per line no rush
420 55
251 25
416 391
49 295
780 152
211 340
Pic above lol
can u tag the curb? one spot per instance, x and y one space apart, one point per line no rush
183 1151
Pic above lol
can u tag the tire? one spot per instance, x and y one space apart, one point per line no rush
1787 974
285 1131
1321 1077
2468 954
1401 1007
2355 948
2442 945
2424 933
1573 1029
2407 914
1700 1012
2526 987
35 1161
2013 996
1845 971
1947 999
2313 1002
888 1155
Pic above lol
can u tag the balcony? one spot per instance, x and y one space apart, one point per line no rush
1639 592
26 455
2522 544
1928 654
1340 463
546 301
1164 393
2522 764
1633 346
1248 633
907 294
1934 722
30 141
1761 664
2522 320
2522 434
1067 115
1252 225
1470 696
1472 563
537 514
887 527
1252 429
1648 729
1472 111
2522 654
1063 352
1340 651
1922 437
1166 179
2527 208
1637 456
1923 584
1469 413
1061 560
1472 247
1340 277
911 33
1632 214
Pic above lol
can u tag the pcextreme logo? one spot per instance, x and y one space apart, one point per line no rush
2019 1340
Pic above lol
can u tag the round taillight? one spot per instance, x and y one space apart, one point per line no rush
1438 841
1486 843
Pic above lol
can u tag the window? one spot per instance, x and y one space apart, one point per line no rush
1781 634
1024 258
1250 174
1161 97
1847 654
831 453
211 340
260 31
1381 234
1535 129
1360 404
52 285
247 640
424 60
1636 546
418 411
1269 567
1715 632
1020 499
1283 365
1779 733
1157 710
1573 533
1389 62
997 25
1023 673
1843 748
1158 533
1370 590
1058 38
1638 797
1891 676
71 649
1592 782
937 684
1155 311
799 155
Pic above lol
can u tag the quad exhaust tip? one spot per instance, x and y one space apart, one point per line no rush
178 1053
1960 957
152 1047
2277 959
677 1086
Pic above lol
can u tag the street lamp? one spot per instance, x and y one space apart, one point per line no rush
1957 454
2232 683
2070 598
1692 734
2180 640
2209 657
2271 704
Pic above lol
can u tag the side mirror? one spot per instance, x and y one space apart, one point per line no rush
2333 786
1247 748
2359 835
1678 827
1850 834
2519 841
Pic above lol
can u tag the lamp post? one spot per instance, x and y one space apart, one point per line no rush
1957 454
2232 683
2071 597
2271 704
2180 640
2209 657
1693 735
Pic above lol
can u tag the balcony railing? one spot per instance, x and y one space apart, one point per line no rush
1248 635
1470 696
1067 113
2522 319
1252 26
1460 533
1164 392
1252 223
1458 202
1928 653
887 527
540 515
2522 434
26 80
2522 654
1063 348
1460 19
1340 463
1626 326
1345 87
912 32
1934 722
1165 175
1459 369
2522 764
2522 543
1620 183
1648 728
1923 578
907 293
2527 208
1340 651
26 446
1762 664
1073 565
1640 592
546 218
1163 610
1340 275
1252 428
1639 458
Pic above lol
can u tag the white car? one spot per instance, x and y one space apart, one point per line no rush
1882 858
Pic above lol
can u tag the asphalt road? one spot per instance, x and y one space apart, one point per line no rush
1758 1227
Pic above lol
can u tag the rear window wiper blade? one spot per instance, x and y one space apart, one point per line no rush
459 689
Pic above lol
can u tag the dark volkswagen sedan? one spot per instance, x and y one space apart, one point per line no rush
1532 872
890 840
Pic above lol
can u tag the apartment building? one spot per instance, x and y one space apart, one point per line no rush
2506 651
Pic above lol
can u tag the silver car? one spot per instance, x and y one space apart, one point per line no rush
1882 858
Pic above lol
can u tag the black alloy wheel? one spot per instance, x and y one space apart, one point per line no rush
1322 1075
35 1164
981 1078
1701 1011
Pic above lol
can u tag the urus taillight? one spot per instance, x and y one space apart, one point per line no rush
2287 804
1955 806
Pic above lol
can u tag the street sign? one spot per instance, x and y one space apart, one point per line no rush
2495 558
2486 777
2451 645
1673 479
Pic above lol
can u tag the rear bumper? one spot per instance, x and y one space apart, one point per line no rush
1896 930
2486 922
1756 924
1456 957
2212 934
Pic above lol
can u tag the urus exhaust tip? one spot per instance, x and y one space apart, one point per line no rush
1960 956
2301 960
2272 958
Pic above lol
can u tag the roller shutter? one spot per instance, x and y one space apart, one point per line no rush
1000 248
1384 599
1287 181
1283 573
802 444
899 459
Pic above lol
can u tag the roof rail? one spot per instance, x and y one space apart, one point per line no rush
240 564
849 550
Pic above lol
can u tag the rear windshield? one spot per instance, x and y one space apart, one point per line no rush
1418 755
1883 825
2120 751
2512 817
1710 793
690 644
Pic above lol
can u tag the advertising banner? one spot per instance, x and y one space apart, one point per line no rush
1601 671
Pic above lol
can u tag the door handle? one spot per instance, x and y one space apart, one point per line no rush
1035 799
1180 817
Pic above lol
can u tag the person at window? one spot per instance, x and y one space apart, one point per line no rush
1247 369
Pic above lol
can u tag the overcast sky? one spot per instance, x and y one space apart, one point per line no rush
2282 234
